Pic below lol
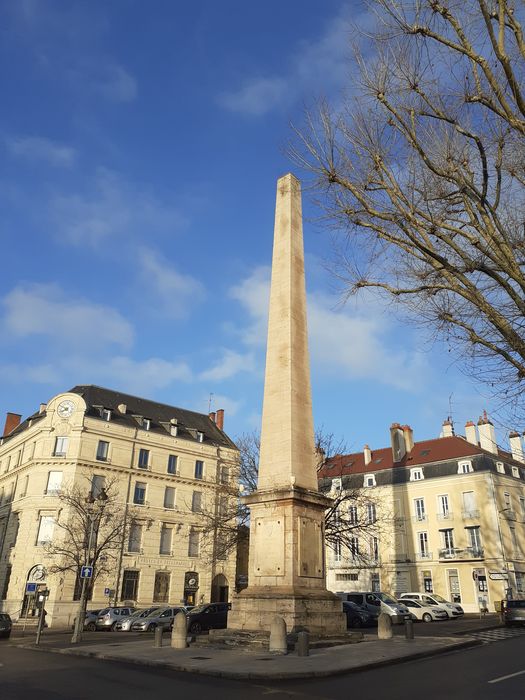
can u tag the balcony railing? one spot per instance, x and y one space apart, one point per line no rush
461 553
448 515
423 555
421 518
470 514
509 513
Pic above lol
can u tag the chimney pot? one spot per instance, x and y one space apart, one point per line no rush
448 428
122 408
487 434
211 416
220 419
471 433
42 407
397 441
367 454
516 447
12 421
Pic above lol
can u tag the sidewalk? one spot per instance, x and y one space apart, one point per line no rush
242 663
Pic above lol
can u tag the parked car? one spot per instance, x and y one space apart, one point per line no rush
90 621
356 616
424 612
207 617
108 617
124 624
514 612
376 603
452 609
5 625
161 617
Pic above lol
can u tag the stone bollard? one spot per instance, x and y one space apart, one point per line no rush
384 626
278 644
158 636
409 628
180 632
303 644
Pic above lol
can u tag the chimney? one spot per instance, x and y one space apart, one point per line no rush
409 438
471 433
122 408
220 419
12 420
367 454
42 408
211 416
516 446
448 428
487 434
397 440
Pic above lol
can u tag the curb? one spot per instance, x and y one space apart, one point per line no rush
251 675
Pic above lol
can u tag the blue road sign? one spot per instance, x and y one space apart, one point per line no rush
30 587
86 572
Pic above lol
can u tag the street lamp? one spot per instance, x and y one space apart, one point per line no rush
79 622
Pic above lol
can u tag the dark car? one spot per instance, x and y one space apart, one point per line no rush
514 612
5 625
207 617
356 616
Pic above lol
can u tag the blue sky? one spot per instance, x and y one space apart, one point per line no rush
140 147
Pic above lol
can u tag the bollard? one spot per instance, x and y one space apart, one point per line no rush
179 632
278 644
158 636
384 626
409 628
303 644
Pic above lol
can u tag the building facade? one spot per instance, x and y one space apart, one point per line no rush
448 517
169 469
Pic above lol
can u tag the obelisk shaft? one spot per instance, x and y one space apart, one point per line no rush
287 435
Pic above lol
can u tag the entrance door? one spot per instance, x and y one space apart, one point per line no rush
453 585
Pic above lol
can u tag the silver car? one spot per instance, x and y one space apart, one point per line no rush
124 624
108 617
163 617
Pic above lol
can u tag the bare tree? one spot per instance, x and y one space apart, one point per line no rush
422 172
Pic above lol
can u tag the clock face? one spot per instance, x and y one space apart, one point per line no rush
38 573
65 408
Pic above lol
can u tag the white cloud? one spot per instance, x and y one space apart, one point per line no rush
141 376
113 82
231 406
343 343
46 310
40 148
318 65
229 365
175 293
113 208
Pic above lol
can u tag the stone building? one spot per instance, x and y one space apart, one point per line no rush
445 515
169 466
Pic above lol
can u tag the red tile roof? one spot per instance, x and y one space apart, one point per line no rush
424 452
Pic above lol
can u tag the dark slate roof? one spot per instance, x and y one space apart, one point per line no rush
97 397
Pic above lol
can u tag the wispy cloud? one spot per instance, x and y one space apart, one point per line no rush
111 208
228 365
41 148
317 65
175 293
46 310
109 79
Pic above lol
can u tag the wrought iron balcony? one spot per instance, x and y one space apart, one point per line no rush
423 555
448 515
461 553
421 518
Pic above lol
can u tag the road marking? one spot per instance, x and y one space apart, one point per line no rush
504 678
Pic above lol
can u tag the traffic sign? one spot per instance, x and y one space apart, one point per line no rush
498 576
30 587
86 572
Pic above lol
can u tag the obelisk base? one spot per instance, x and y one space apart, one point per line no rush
319 612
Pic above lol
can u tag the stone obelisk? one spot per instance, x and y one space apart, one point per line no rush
286 571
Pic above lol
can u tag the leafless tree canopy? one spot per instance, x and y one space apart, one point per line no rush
68 551
423 170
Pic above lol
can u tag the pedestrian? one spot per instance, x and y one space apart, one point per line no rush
44 613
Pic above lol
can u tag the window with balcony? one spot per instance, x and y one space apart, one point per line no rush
419 509
130 585
199 469
135 538
423 544
196 501
166 537
143 459
102 450
54 483
447 541
172 464
139 494
169 497
61 444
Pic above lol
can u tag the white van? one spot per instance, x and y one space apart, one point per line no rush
452 609
376 603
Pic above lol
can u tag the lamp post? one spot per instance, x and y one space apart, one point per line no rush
79 622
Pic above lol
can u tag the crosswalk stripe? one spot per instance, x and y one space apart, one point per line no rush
498 635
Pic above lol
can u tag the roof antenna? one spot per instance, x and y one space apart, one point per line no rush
209 402
450 411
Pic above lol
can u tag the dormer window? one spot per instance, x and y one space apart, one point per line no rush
465 467
105 414
416 474
370 480
516 472
200 436
500 467
146 423
336 484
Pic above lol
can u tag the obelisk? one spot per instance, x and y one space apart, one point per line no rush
286 571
